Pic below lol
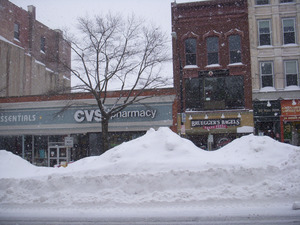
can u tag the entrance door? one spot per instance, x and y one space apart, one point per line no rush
58 155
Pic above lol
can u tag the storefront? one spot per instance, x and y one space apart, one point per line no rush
212 130
290 121
267 118
50 132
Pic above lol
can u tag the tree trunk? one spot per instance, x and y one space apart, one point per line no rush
105 141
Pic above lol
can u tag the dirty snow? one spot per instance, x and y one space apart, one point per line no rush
159 169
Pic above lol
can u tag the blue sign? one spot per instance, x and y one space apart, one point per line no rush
84 114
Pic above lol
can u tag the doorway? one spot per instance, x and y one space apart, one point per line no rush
58 155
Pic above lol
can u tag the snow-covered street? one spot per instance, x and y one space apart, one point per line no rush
159 175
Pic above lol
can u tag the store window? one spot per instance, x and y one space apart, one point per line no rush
235 48
262 2
266 74
43 44
289 35
190 51
291 73
210 93
212 46
264 32
17 31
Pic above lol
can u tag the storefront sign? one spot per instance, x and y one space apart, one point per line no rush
290 107
216 123
291 118
88 114
69 142
95 115
262 108
17 118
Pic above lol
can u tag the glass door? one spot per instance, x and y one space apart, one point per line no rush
58 156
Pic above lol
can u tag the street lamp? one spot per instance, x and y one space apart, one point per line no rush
174 35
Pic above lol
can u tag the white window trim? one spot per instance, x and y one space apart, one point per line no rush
282 29
255 2
260 74
270 27
287 2
297 71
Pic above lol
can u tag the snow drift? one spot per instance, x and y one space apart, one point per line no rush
160 169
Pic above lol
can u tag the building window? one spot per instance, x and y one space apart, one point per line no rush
17 31
211 93
262 2
235 48
289 35
291 73
212 45
264 31
266 74
286 1
43 44
190 51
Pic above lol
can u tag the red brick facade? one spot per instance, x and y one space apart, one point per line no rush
31 32
31 64
200 20
212 71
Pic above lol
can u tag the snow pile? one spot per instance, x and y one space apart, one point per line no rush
13 166
160 169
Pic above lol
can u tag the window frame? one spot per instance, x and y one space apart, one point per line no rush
259 33
286 74
283 33
256 2
211 54
265 75
43 44
286 1
237 52
16 31
190 56
221 96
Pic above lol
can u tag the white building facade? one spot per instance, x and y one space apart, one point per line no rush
275 56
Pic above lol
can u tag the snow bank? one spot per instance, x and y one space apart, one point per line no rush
160 168
13 166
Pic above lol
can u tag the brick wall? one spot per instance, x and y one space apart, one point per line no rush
26 69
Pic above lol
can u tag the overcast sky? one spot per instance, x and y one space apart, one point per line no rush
62 14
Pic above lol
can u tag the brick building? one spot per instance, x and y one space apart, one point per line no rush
212 72
32 55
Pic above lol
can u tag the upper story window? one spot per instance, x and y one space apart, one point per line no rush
262 2
289 34
264 32
235 48
286 1
291 73
190 51
17 31
212 46
43 44
266 74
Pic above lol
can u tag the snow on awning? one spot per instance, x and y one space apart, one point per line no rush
245 129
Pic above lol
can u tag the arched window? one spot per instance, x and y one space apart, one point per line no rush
190 51
235 49
212 46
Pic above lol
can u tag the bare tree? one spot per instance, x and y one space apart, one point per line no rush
124 53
